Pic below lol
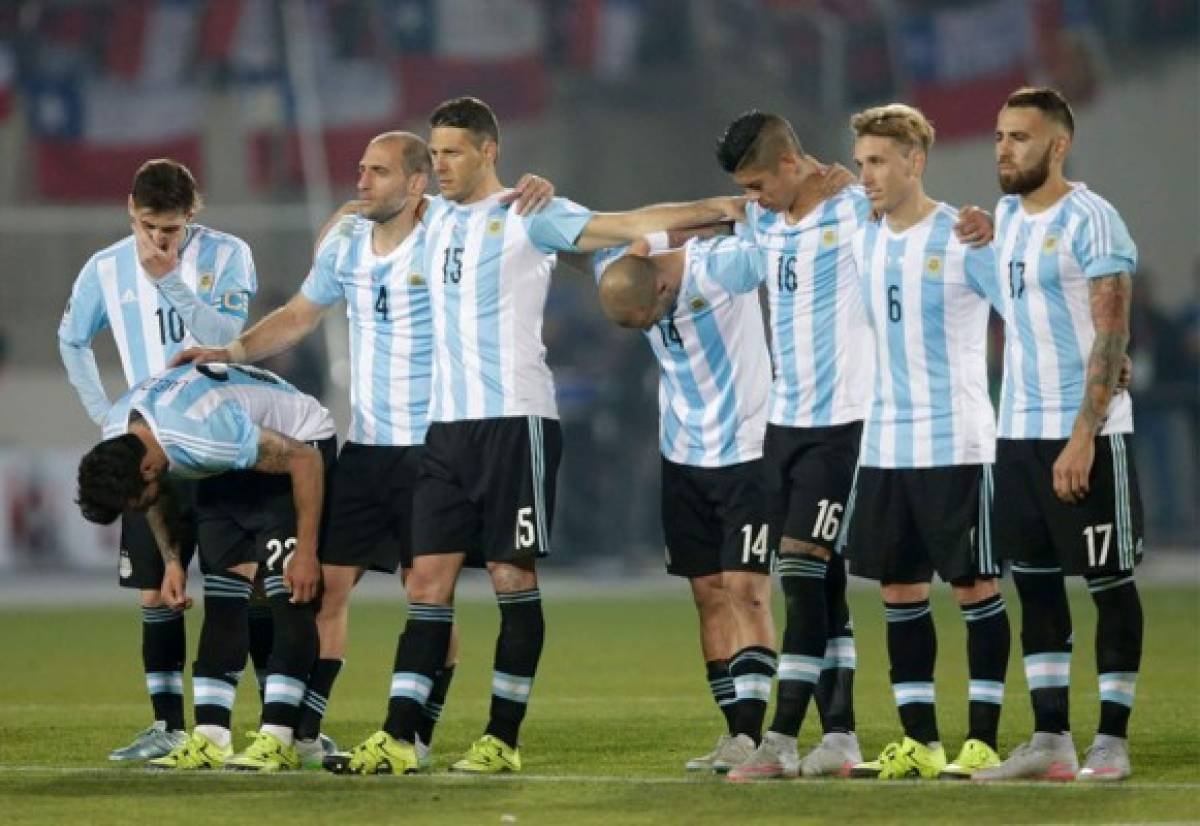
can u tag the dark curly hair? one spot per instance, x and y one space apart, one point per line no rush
110 477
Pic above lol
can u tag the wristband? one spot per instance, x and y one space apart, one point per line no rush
659 242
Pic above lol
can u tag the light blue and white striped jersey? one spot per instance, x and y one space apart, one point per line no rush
819 336
489 272
928 297
1044 262
112 290
208 417
391 329
714 367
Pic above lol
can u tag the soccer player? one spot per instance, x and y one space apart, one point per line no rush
486 489
921 496
373 259
714 376
1067 499
169 284
812 433
198 422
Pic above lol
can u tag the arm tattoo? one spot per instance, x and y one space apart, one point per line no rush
1109 298
274 453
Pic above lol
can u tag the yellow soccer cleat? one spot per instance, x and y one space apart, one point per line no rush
489 755
381 753
196 753
975 755
903 760
266 753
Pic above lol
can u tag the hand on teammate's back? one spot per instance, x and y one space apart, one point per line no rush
201 355
974 226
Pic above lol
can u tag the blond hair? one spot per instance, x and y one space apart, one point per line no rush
898 121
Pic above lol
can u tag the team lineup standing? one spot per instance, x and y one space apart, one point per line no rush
485 474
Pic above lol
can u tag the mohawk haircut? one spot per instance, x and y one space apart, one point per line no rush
165 185
468 113
755 139
1050 102
110 476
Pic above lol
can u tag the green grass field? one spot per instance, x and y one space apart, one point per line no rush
619 704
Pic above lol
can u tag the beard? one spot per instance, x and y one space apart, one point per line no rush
385 212
1024 181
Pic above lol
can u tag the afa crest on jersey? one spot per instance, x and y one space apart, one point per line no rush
697 303
934 267
416 280
1050 245
205 282
829 237
494 226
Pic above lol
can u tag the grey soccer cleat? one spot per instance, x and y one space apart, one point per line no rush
152 741
1045 757
734 751
704 763
776 756
834 756
313 752
1107 759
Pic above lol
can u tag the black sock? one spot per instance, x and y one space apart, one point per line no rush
262 635
802 659
912 651
835 689
518 649
1046 645
221 655
433 706
164 648
721 686
988 642
420 652
316 697
753 669
1118 648
293 654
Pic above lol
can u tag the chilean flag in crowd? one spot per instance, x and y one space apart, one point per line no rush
92 126
961 63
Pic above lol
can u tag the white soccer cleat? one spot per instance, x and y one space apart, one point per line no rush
704 763
1107 760
1045 757
776 756
834 756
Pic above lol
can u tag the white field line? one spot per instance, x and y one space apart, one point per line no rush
585 779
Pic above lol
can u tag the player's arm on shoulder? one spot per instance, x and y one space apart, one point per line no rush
1109 298
348 208
302 462
279 330
610 229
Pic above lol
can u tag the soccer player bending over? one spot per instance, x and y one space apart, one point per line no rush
199 423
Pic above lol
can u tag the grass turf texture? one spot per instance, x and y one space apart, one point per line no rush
620 703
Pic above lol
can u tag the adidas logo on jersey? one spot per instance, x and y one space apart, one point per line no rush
128 297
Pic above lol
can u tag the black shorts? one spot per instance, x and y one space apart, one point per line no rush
808 473
1100 535
904 524
486 489
140 564
715 519
249 516
370 507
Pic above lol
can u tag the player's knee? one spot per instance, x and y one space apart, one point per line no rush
902 592
973 591
708 592
750 593
429 587
509 577
789 546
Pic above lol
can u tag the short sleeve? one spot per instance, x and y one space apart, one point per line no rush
602 258
979 267
237 282
557 227
85 314
728 262
321 286
226 439
1102 244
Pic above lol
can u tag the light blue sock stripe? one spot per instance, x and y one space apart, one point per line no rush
986 691
511 687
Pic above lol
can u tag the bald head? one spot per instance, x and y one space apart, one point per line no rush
411 149
629 292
